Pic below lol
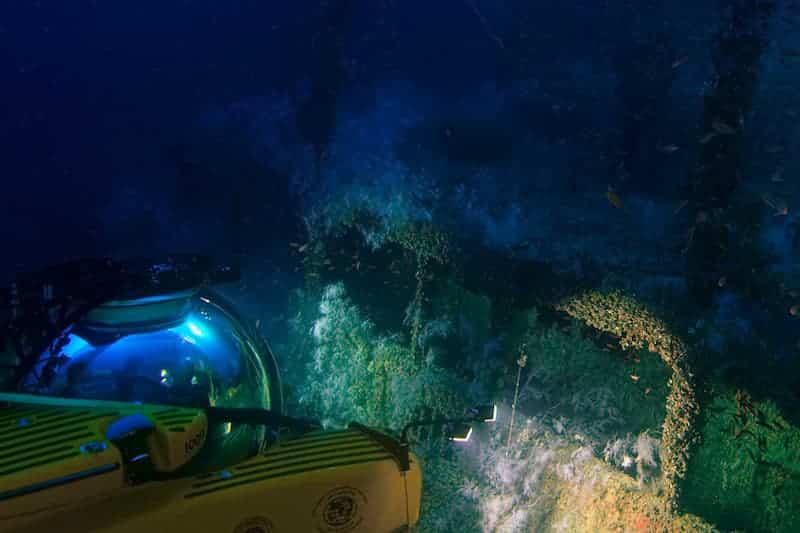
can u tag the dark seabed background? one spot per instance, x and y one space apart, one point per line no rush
585 210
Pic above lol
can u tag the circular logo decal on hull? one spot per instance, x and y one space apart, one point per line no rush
340 511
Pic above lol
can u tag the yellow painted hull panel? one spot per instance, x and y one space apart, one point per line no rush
336 481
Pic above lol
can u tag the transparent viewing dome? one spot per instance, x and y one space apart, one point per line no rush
185 349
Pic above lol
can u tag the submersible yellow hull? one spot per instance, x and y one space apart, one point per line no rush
60 472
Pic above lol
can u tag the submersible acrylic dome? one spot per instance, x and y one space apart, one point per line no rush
179 349
187 349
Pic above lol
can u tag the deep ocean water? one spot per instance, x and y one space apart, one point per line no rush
582 211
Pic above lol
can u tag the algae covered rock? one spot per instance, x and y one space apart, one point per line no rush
746 472
637 327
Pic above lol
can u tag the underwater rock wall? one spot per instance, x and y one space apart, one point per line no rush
446 357
607 412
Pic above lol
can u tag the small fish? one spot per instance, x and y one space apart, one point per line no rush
777 176
521 246
668 148
301 248
634 377
707 137
647 391
680 207
722 281
774 149
258 323
614 199
680 61
723 128
777 204
795 310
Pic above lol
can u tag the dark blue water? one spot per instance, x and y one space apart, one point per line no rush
645 146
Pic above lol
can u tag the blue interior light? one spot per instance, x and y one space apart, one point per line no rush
75 346
195 329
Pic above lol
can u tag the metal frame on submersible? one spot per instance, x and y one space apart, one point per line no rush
257 342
